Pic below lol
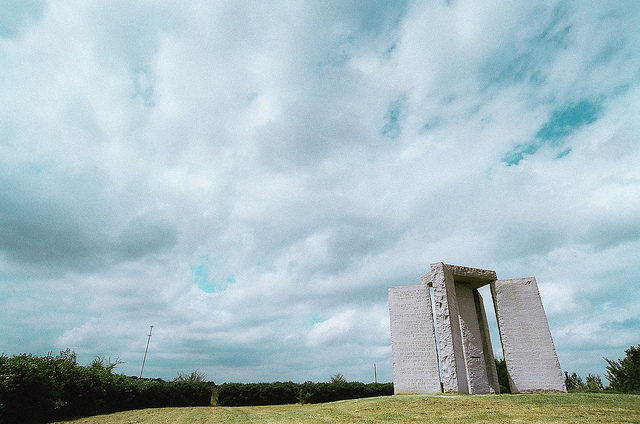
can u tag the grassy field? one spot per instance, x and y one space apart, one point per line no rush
532 408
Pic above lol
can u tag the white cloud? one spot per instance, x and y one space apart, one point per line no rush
335 329
139 139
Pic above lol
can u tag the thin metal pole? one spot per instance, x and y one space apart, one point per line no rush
375 373
145 351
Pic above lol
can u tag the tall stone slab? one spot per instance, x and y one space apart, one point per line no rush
413 342
529 352
482 376
454 372
466 355
472 343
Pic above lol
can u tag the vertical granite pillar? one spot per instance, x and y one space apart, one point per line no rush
454 373
529 352
413 342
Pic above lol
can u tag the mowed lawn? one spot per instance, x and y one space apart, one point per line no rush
526 408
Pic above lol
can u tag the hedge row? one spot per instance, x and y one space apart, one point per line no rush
38 389
239 394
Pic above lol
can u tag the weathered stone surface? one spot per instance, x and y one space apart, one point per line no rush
413 343
452 363
472 340
475 276
466 356
529 352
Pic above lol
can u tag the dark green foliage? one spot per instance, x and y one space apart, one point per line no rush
624 375
239 394
337 378
503 376
593 384
194 376
573 382
38 389
303 397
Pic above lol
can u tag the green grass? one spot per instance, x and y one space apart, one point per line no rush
524 408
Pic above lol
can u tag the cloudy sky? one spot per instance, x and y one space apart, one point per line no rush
250 177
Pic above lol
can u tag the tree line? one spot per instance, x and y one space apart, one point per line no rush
623 376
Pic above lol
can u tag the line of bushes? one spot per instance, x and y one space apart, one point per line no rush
35 389
44 388
245 394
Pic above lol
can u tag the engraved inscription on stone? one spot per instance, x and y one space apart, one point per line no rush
413 344
532 362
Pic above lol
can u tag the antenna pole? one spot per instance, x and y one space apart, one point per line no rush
145 351
375 373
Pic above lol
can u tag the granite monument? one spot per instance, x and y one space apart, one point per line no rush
443 343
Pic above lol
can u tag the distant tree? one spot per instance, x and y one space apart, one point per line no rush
194 376
106 364
624 375
303 397
593 383
338 378
573 381
503 376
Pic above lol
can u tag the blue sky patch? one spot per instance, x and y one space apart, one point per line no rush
520 151
562 122
392 119
312 320
201 277
566 120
